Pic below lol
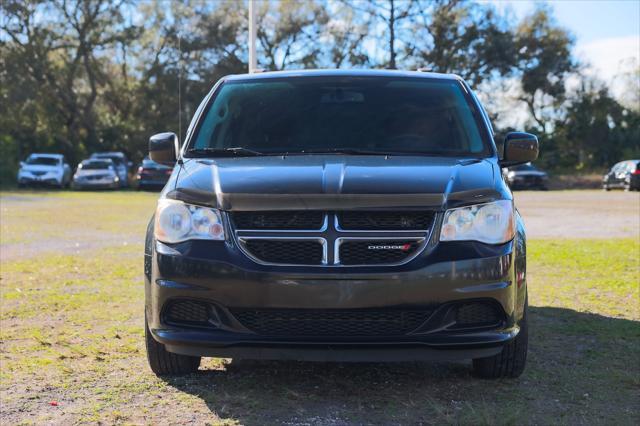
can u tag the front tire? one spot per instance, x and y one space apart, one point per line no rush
510 362
165 363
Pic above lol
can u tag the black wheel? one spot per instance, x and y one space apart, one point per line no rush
511 361
164 363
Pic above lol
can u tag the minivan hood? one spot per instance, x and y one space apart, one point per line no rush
336 182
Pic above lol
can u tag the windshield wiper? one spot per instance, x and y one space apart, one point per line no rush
348 151
237 151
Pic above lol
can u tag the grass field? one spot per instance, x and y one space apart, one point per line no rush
71 339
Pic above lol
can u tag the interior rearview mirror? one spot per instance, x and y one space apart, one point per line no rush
164 148
519 148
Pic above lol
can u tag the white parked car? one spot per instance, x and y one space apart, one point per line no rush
44 169
96 174
121 163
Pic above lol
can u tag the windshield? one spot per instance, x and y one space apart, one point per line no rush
117 160
146 162
524 167
43 161
333 114
96 165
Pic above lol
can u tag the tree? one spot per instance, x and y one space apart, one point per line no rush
596 130
543 63
289 32
389 22
464 38
345 34
60 46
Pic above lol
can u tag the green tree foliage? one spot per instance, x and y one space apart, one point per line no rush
463 38
78 76
595 130
543 63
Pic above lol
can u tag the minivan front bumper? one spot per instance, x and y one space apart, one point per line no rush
446 275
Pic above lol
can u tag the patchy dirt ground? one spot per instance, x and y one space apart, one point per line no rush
580 214
71 334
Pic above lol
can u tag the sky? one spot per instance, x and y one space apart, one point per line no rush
607 32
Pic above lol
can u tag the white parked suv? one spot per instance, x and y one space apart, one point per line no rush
44 169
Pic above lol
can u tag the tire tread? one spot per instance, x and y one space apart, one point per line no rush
510 362
165 363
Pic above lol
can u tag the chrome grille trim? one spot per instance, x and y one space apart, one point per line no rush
243 240
331 236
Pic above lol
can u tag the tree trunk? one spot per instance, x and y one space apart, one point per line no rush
392 35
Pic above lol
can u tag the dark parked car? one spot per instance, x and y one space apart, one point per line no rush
96 174
338 216
624 175
527 176
152 175
121 163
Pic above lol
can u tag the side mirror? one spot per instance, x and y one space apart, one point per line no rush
519 148
164 148
22 163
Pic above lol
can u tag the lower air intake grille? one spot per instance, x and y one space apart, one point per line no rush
187 312
365 252
404 221
285 220
288 252
477 314
331 322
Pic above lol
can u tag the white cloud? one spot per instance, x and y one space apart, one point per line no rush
610 57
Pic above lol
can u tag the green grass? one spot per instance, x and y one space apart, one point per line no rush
72 332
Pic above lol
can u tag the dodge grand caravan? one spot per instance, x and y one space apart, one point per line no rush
338 216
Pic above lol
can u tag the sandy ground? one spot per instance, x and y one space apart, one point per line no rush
580 214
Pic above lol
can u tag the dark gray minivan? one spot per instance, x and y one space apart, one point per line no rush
338 216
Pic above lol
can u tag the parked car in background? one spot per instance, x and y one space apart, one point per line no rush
96 174
122 165
152 175
44 169
527 176
624 175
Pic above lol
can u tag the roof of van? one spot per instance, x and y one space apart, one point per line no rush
340 73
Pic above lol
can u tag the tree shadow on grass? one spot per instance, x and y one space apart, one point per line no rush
575 361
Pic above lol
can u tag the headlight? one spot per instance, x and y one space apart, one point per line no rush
177 221
491 223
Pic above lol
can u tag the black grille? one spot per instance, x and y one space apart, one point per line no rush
408 221
294 252
477 314
187 312
279 220
331 322
372 252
